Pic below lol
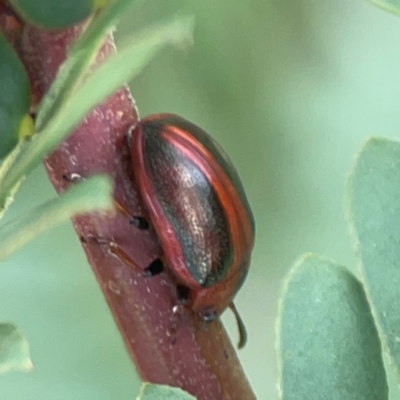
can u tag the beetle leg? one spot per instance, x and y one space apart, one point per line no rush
240 325
73 178
122 209
117 251
183 294
208 314
137 221
155 268
114 249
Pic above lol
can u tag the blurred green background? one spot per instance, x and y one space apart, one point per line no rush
290 89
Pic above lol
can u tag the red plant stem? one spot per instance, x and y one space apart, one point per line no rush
202 360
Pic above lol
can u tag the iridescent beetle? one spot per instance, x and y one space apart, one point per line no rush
199 209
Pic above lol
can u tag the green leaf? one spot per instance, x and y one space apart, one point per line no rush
328 346
151 391
109 77
14 350
374 194
392 6
52 14
80 56
14 96
89 195
7 197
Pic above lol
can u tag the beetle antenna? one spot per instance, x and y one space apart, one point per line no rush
241 327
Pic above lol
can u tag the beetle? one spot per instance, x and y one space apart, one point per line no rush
198 207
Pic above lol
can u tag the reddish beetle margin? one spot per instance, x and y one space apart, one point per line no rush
199 209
